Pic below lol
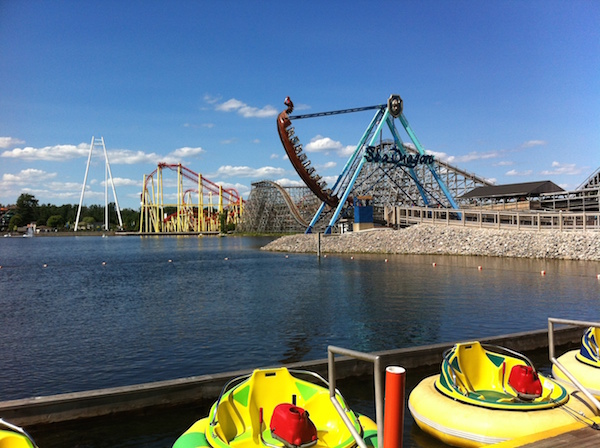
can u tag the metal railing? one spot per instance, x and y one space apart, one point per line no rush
494 219
551 322
331 352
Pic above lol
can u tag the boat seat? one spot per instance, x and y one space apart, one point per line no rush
231 418
590 349
480 371
276 386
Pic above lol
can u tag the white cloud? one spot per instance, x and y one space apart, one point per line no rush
519 173
346 151
532 143
326 145
441 156
7 142
210 99
66 186
331 180
246 171
274 156
49 153
122 182
60 153
128 157
240 188
474 155
327 165
187 152
233 105
470 157
27 175
285 182
322 144
562 169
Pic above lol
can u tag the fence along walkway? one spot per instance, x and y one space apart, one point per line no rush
493 219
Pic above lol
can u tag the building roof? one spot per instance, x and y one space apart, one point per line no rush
526 189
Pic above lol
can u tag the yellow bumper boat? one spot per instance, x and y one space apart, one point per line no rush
487 394
272 408
12 436
583 364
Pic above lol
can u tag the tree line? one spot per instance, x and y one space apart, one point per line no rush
28 210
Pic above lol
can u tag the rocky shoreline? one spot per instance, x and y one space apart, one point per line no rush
430 239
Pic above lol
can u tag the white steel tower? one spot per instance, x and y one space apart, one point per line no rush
107 177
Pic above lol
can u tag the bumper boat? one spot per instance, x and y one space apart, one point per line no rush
583 364
273 408
12 436
487 394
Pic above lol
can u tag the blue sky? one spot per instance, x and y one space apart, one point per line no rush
509 90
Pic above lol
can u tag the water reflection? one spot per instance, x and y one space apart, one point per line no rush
115 311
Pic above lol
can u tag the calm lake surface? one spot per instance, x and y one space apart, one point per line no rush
80 313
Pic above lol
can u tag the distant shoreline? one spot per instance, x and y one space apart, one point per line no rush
56 234
445 240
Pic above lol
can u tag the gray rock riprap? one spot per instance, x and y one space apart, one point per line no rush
429 239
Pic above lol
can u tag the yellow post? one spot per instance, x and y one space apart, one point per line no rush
179 198
142 207
220 208
200 204
210 211
160 224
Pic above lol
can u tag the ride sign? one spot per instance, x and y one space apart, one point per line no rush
394 156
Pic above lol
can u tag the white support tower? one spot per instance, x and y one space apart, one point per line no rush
107 177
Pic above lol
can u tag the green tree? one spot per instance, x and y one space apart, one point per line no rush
27 206
88 220
55 221
130 219
15 221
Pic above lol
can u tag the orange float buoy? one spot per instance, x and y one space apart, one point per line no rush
543 272
480 268
393 422
434 264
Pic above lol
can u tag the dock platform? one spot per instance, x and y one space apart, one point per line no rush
580 435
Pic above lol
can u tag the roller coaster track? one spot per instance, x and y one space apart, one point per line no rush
185 215
289 202
231 194
593 181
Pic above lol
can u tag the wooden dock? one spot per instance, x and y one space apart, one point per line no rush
578 435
